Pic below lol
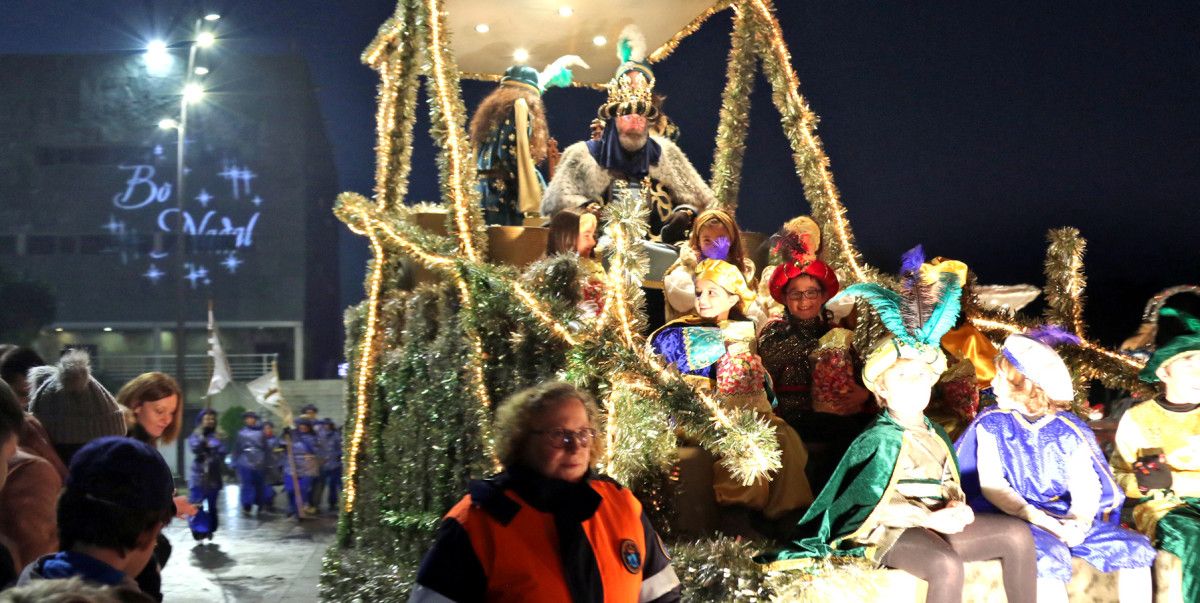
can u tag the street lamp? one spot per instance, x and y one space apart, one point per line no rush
192 92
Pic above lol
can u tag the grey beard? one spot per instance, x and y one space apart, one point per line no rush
633 143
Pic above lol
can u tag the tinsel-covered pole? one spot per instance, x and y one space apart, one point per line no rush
812 165
447 119
734 122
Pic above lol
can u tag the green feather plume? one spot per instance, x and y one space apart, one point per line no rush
886 304
945 310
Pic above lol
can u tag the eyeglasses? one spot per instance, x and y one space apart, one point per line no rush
561 438
806 294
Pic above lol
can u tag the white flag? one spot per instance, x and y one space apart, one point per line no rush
221 375
266 392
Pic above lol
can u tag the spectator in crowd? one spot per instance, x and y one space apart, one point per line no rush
250 458
71 590
207 443
115 504
154 414
15 363
11 418
29 486
72 405
547 528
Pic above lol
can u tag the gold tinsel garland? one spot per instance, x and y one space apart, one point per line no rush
734 122
670 45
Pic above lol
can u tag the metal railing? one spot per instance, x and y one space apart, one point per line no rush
122 368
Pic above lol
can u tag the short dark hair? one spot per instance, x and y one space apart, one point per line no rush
84 519
17 362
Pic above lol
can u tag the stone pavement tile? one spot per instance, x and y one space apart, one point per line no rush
250 559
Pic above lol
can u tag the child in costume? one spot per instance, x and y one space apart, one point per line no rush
204 482
1030 457
1157 456
709 227
811 360
574 231
713 348
896 498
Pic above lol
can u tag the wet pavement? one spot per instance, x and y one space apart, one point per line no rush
250 559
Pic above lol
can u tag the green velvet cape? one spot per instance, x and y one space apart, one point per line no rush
862 479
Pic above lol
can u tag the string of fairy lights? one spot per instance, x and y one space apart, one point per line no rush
419 26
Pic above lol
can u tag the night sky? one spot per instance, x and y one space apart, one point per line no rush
971 129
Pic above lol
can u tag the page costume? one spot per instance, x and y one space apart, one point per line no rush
1170 516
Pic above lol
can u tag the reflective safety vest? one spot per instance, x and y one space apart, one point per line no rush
520 558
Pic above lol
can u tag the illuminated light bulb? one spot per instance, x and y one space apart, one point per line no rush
210 17
205 39
482 28
599 40
201 71
565 11
158 60
108 329
168 124
520 55
192 92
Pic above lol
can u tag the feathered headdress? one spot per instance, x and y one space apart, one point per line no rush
797 253
917 316
627 95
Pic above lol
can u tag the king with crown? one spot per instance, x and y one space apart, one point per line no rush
629 156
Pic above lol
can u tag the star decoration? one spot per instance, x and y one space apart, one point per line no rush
197 274
256 200
204 198
114 226
154 274
231 263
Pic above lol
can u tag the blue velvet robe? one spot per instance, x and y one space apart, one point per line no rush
1035 456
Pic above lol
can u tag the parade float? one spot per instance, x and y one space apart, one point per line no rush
459 314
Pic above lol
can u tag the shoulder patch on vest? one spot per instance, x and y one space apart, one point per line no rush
631 557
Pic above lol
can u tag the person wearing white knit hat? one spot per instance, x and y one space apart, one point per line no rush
1029 456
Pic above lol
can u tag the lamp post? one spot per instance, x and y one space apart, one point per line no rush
192 92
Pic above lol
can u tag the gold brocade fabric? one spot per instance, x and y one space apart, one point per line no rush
787 349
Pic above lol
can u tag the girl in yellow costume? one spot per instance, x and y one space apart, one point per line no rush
713 348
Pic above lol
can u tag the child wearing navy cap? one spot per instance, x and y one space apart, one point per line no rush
118 497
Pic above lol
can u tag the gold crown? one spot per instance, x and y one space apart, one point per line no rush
627 96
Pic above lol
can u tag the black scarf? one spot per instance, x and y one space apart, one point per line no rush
609 153
571 503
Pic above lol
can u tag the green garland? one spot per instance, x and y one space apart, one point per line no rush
734 122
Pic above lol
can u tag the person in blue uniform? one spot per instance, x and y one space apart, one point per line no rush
273 467
302 464
204 481
250 458
329 447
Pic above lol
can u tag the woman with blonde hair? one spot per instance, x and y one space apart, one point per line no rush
547 528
